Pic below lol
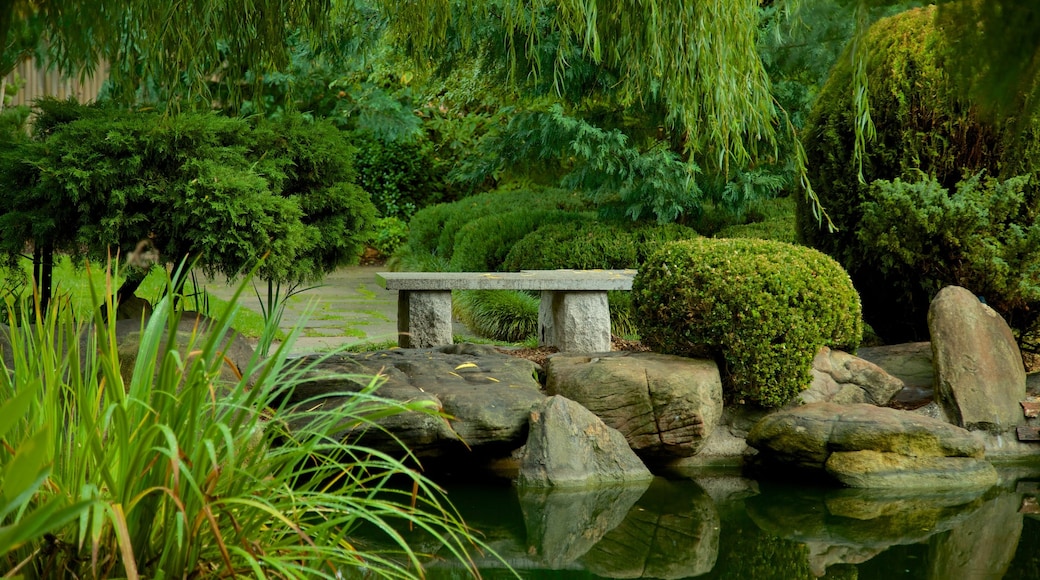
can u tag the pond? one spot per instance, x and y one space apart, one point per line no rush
720 525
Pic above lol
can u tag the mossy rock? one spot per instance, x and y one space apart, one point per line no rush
763 308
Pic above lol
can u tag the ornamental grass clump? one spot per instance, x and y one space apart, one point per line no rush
761 308
177 473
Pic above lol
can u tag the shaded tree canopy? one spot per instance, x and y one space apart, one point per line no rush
697 57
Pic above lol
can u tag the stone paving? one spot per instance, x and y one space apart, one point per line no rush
348 307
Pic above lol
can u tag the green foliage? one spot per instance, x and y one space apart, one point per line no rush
982 236
183 472
222 189
497 314
13 121
590 245
483 244
620 178
398 175
763 308
388 235
433 229
924 126
780 230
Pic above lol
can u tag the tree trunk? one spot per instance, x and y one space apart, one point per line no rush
6 18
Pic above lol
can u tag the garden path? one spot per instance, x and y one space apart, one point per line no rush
348 307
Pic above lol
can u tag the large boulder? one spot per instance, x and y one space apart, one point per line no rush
568 446
839 377
871 447
487 397
980 378
666 406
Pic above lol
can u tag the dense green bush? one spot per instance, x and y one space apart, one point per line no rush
432 230
763 308
506 315
399 174
483 244
922 237
924 124
227 191
780 230
590 245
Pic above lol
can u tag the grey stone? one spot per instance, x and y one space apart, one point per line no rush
560 280
839 377
423 318
568 446
980 378
886 470
666 406
574 321
486 397
868 446
573 315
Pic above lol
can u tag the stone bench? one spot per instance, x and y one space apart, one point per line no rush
573 315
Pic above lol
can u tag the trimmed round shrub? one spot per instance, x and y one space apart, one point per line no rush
432 230
926 126
761 308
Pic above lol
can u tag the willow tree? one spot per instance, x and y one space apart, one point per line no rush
698 57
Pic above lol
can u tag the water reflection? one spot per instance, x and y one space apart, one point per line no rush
676 529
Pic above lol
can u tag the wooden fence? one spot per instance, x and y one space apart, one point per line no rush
44 83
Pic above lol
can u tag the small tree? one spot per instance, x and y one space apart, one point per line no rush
223 191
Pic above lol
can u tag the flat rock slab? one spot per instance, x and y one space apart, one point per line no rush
486 395
874 447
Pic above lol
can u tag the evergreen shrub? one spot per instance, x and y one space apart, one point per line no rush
925 124
399 175
982 236
588 245
780 230
762 308
483 244
432 229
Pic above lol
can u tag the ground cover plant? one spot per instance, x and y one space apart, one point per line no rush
167 470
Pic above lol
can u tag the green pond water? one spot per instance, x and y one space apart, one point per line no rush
723 526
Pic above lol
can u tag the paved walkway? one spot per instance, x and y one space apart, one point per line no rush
347 308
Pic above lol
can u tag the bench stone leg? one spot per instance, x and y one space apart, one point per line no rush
423 318
574 321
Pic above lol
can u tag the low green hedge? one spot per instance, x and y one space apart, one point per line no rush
762 308
589 245
483 244
432 230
